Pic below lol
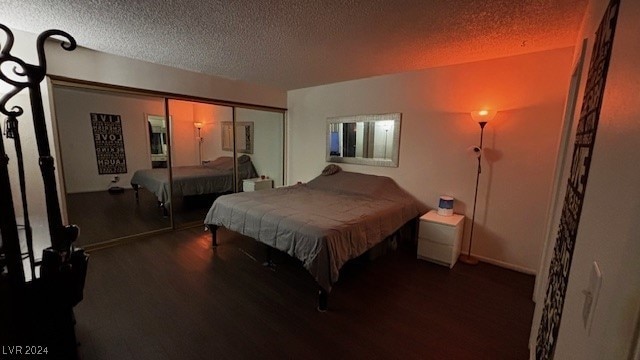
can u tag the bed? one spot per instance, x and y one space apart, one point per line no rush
213 177
323 223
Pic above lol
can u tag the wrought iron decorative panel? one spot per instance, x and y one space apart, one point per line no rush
577 184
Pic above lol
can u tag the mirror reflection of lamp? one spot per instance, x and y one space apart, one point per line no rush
386 127
198 126
482 117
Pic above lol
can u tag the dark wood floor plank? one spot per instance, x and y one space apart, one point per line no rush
102 216
172 297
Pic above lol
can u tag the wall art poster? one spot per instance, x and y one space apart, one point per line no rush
107 137
577 184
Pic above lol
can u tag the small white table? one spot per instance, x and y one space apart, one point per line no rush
440 238
256 184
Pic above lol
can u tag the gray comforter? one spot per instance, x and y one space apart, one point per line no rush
323 223
211 178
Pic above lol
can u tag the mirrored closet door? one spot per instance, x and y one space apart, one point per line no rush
114 154
204 139
201 168
134 163
259 136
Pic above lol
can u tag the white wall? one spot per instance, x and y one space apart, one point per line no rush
212 117
437 129
184 134
77 149
610 221
90 65
184 145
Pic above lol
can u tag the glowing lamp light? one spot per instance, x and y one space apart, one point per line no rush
482 117
198 126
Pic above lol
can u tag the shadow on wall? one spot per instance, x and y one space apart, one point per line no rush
490 157
483 238
485 172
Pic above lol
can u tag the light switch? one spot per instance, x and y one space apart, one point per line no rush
591 296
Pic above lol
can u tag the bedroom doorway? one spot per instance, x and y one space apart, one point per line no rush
158 140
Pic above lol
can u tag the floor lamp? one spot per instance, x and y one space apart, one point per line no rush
482 117
198 126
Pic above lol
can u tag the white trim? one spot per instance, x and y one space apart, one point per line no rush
559 181
634 352
506 265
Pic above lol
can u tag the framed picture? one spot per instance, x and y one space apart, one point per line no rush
109 143
244 136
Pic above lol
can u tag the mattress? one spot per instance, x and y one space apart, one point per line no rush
323 223
214 177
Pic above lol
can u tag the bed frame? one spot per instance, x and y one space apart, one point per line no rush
165 211
408 233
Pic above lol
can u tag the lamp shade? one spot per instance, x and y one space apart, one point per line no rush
197 125
483 115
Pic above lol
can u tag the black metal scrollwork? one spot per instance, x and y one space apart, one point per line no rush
27 76
32 74
39 311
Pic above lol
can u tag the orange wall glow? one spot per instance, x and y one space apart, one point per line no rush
520 143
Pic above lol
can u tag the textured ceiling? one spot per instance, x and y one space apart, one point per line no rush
290 44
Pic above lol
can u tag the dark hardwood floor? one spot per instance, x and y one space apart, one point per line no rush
190 210
171 297
102 216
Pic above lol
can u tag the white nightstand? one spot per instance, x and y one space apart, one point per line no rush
256 184
440 238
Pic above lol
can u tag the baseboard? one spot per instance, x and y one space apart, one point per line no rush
506 265
126 187
121 240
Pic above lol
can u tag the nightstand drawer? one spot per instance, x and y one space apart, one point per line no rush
438 233
435 252
440 237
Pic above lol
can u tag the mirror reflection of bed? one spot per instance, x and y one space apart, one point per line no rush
202 154
192 183
198 176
